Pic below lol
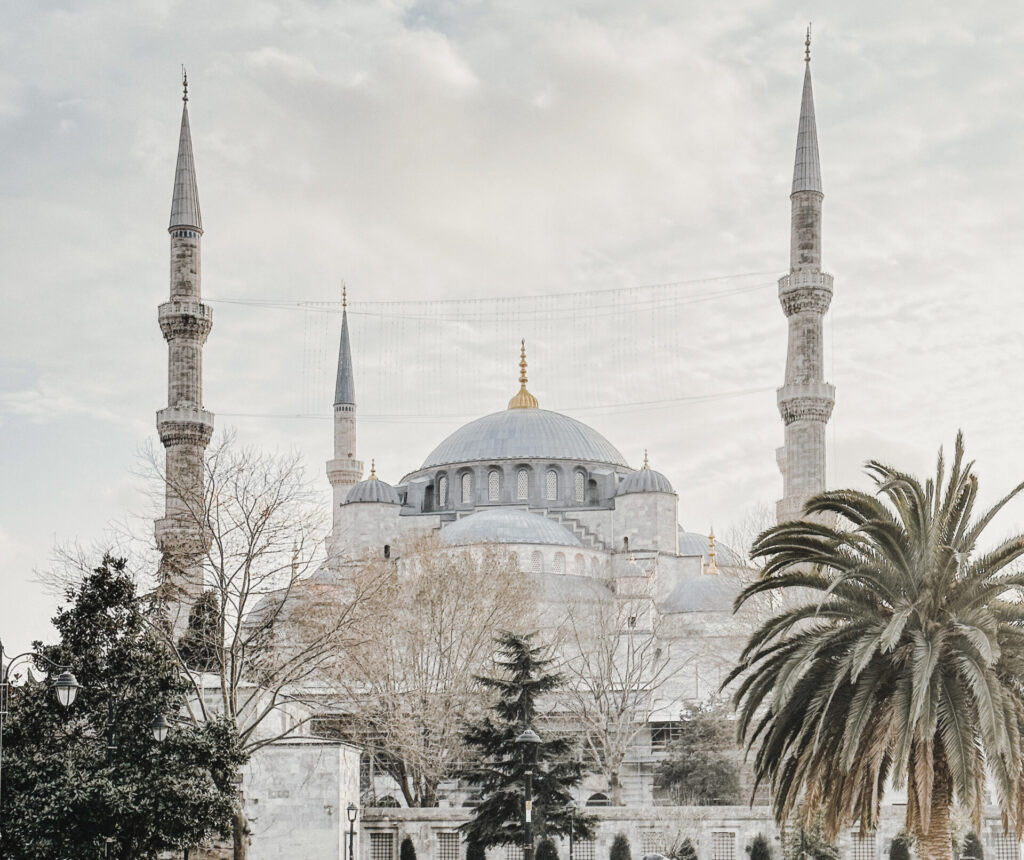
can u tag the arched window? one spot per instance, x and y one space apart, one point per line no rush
551 485
442 491
493 485
598 799
467 488
387 550
522 485
536 562
580 487
625 544
580 564
559 562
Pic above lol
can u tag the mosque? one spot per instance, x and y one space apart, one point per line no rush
551 489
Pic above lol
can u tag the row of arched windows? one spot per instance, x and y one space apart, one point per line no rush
522 486
558 563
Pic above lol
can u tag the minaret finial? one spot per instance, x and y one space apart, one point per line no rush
373 470
184 82
523 400
807 45
344 296
712 553
646 464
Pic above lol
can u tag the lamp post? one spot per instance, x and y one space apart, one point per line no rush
527 743
353 812
570 807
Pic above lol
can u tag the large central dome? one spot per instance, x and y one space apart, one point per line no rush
524 434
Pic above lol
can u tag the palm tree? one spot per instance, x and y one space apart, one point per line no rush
898 658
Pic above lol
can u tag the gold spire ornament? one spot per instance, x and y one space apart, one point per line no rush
523 399
647 465
373 470
344 296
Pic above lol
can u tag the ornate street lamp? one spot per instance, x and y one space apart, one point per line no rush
353 812
159 727
571 807
528 742
66 687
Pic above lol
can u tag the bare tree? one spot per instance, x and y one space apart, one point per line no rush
263 631
412 686
616 662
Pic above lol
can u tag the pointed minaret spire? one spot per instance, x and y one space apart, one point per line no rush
805 399
184 425
807 165
185 202
344 470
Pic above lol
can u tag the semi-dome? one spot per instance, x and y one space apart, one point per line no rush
524 434
507 525
373 489
644 480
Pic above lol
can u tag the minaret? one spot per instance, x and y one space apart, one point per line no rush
805 400
344 471
184 426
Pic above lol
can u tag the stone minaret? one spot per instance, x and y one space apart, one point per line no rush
805 400
184 426
344 470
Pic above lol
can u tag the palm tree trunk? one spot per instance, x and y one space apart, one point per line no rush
937 843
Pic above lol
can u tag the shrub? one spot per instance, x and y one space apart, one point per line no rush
686 850
972 847
475 851
546 850
900 847
407 851
620 848
760 849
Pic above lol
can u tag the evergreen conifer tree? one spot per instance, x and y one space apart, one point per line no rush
499 771
546 850
620 848
972 847
407 851
475 851
760 849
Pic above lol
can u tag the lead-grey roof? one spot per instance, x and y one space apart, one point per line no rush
373 490
185 202
524 434
345 384
644 481
507 525
702 594
807 166
692 543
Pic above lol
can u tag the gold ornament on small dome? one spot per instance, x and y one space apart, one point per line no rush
373 470
712 554
523 399
646 466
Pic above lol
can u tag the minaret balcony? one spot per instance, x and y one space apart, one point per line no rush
805 291
806 401
184 425
184 319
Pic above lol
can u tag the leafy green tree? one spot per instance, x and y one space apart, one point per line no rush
500 771
761 849
546 850
407 851
972 847
686 850
620 848
74 779
700 768
897 657
899 849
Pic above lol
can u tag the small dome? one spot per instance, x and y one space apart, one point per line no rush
692 543
507 525
373 489
644 480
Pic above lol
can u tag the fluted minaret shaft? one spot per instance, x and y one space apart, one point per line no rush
344 470
185 427
805 400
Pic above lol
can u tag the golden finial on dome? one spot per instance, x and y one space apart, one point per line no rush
373 470
712 553
646 464
523 399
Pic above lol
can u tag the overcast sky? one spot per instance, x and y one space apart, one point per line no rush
442 151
